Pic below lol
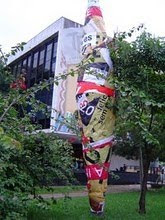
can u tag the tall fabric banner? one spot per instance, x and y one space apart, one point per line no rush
95 99
68 56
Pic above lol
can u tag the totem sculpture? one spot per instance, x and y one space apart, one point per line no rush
95 99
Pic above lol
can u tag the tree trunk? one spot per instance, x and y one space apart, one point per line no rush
142 200
141 167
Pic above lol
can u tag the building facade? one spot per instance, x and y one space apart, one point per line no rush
48 55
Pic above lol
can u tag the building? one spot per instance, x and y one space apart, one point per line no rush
55 51
51 53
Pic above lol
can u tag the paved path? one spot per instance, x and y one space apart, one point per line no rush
111 189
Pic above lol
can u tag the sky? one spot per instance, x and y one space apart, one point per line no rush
21 20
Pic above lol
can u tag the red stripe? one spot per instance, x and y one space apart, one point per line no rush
85 86
97 172
94 11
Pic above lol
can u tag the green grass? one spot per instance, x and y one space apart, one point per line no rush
121 206
60 189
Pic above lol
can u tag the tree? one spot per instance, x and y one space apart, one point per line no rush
27 159
139 79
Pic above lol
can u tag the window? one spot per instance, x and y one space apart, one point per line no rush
14 70
55 49
29 64
40 68
28 69
35 59
39 65
53 59
48 61
18 69
34 69
24 63
42 55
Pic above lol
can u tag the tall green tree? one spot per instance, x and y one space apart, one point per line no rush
139 69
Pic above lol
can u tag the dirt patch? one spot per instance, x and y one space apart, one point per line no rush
111 189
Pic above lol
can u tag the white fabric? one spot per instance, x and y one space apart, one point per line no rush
93 3
105 54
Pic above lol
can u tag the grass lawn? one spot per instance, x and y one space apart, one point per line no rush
119 206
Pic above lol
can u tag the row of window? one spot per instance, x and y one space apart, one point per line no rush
39 64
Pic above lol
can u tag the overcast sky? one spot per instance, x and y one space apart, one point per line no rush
20 20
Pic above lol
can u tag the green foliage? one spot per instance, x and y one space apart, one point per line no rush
14 182
139 72
47 159
139 80
43 160
28 159
5 79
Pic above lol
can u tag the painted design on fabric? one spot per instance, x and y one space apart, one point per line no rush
99 144
93 11
86 87
95 172
86 107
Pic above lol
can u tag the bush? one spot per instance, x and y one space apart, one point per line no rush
26 161
41 159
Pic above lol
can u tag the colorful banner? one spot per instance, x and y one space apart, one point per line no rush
95 99
68 56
